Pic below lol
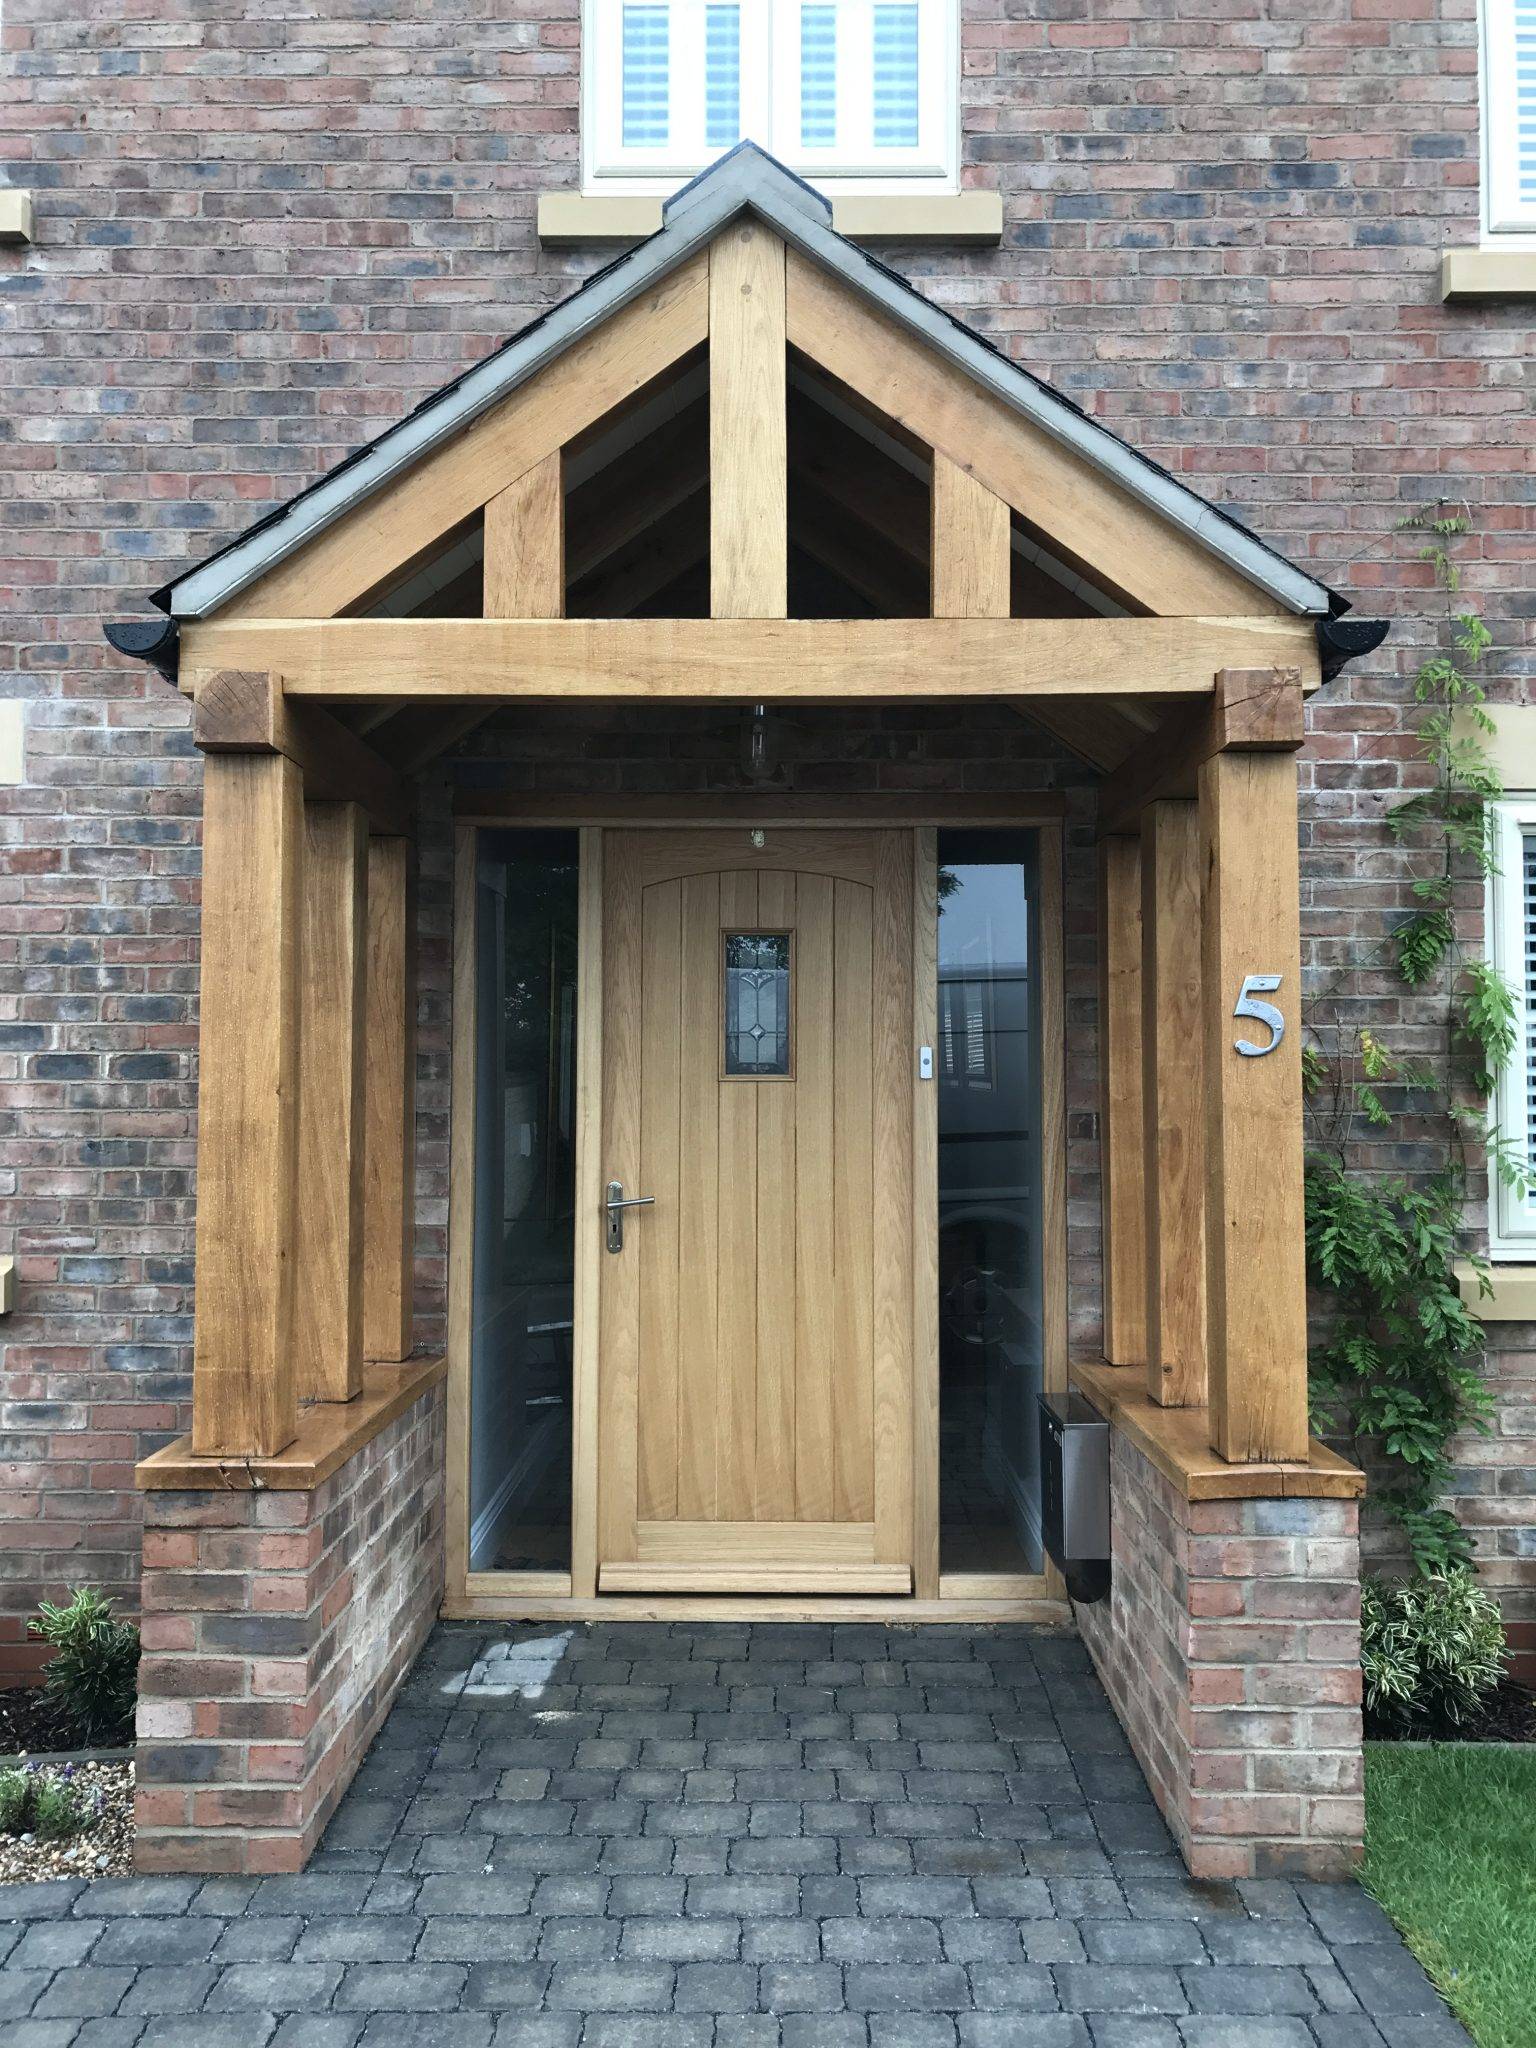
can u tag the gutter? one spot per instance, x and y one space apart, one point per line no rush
1344 640
157 641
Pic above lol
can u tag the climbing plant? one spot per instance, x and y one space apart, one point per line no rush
1397 1369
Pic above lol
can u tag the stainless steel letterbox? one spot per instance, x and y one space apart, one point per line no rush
1074 1493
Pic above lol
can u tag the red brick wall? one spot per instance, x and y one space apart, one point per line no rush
277 1630
265 232
1230 1648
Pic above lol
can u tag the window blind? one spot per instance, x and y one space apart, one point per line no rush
1509 114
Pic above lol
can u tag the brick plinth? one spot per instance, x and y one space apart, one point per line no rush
277 1629
1229 1647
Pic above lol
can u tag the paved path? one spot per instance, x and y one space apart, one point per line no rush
725 1837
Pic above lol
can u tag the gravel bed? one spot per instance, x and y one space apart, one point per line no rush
104 1849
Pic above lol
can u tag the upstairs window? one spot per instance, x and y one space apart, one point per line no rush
856 93
1509 116
1512 948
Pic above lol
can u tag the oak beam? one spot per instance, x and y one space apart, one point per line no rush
740 660
246 711
748 447
971 546
328 1278
389 1185
1174 1104
244 1400
1122 1128
1252 710
1256 1285
524 577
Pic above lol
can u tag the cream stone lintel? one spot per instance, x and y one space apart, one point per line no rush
1513 1299
566 218
1488 273
15 215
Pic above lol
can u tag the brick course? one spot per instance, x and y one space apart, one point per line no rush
1230 1649
278 1628
263 234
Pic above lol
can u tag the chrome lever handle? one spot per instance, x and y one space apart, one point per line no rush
616 1202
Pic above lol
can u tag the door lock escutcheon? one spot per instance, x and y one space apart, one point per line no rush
615 1203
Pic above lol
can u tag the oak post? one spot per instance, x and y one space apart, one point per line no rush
1174 1104
328 1280
389 1208
243 1394
1122 1130
1256 1283
748 431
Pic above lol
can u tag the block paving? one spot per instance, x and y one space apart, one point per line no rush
725 1836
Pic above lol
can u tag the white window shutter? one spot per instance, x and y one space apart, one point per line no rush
1509 114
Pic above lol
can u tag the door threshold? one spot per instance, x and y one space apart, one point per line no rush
508 1603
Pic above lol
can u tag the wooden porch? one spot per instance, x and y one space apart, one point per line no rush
633 522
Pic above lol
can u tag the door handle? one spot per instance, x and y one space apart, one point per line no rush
616 1202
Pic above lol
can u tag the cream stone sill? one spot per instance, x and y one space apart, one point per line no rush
1513 1299
15 215
1488 273
570 218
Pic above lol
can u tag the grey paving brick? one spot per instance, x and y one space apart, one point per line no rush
1143 1941
681 1940
631 2030
275 1987
1232 2031
428 2030
1388 1982
45 1900
84 1993
746 2030
177 1987
801 1987
716 1987
52 1944
259 1941
184 1940
364 1938
319 2030
610 1987
1023 2030
908 1987
541 2030
913 2030
780 1941
506 1892
898 1938
119 2031
1265 1941
50 2033
399 1987
138 1896
1119 1987
924 1897
824 2030
217 2030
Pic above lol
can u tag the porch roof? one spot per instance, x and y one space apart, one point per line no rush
745 180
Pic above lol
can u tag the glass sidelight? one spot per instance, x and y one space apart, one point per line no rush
525 1139
991 1323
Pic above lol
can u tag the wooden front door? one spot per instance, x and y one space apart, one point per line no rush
755 1405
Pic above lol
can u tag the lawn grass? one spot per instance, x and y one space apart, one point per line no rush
1451 1854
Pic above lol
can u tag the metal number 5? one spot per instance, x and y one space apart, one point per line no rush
1248 1005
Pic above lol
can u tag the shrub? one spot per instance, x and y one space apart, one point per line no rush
92 1676
1432 1650
36 1802
57 1811
15 1801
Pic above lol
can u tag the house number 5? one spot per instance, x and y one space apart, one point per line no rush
1248 1005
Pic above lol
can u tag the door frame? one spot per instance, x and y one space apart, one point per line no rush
952 1596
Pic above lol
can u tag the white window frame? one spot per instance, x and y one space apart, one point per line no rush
1504 215
770 32
1511 1220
